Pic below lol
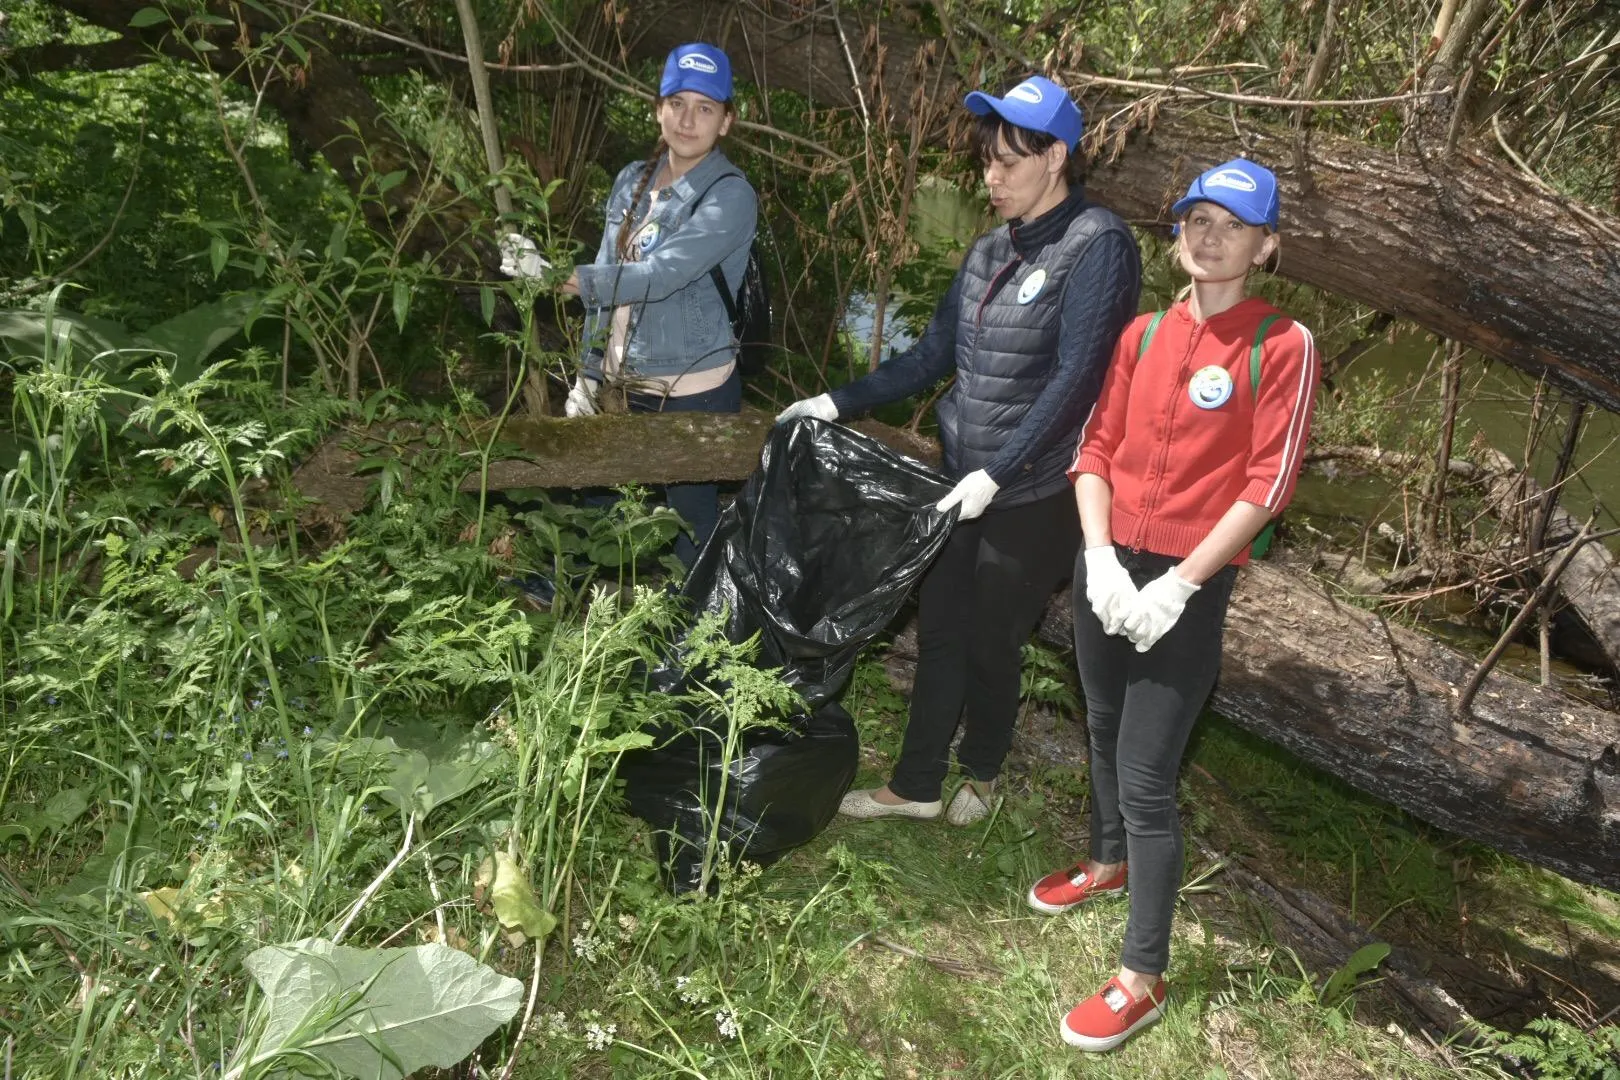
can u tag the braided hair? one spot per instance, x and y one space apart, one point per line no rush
647 172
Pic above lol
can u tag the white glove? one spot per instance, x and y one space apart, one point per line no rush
1109 588
1157 607
821 407
582 398
972 493
520 257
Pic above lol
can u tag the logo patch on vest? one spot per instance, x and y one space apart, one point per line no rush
1031 288
1210 387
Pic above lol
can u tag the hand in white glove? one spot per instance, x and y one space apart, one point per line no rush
821 407
582 398
972 493
520 257
1157 607
1109 588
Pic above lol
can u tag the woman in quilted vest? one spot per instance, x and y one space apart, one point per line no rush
1193 450
1026 329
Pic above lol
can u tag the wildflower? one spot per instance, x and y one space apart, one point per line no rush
247 755
627 927
308 731
281 755
598 1037
553 1026
588 947
726 1021
50 699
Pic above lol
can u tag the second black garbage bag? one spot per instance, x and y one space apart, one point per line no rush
816 555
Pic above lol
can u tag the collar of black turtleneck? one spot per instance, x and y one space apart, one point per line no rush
1030 236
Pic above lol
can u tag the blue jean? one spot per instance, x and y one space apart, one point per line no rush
1140 711
698 504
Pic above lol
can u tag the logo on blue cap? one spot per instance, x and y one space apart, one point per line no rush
1038 104
698 67
1246 189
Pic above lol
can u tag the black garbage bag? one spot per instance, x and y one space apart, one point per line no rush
819 551
816 555
783 789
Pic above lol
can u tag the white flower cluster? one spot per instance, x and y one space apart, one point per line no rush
693 993
553 1025
726 1021
598 1037
628 924
589 947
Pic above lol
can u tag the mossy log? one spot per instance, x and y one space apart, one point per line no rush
586 452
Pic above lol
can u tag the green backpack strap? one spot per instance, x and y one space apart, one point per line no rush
1147 335
1254 352
1262 543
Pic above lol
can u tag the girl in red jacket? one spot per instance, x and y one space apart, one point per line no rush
1193 448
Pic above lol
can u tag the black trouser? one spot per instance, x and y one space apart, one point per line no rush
976 608
1140 708
698 504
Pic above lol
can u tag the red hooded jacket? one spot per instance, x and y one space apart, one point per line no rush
1180 436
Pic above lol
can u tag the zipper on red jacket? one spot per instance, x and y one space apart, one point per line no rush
1164 450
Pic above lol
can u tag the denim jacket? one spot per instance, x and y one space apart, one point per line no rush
679 322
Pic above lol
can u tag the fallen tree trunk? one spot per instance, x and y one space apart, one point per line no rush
588 452
1532 772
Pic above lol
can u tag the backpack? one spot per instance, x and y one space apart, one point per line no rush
750 309
1262 542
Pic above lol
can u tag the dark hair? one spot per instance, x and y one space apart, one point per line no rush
992 132
647 171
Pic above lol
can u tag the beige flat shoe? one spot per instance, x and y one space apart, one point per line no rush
969 807
860 804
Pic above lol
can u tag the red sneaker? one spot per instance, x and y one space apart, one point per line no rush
1111 1015
1059 891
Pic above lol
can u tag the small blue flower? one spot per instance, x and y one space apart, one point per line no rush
281 754
247 755
308 730
50 699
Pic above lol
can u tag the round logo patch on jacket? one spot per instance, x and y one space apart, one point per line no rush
1031 288
1210 387
647 237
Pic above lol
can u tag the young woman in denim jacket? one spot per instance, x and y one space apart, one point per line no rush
1026 329
1194 447
656 327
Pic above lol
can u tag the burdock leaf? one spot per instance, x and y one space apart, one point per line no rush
378 1012
516 906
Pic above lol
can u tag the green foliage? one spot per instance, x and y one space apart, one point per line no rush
1558 1050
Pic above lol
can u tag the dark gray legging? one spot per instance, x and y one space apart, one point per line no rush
1140 709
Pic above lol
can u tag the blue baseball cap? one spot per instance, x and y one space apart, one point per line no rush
698 67
1038 104
1248 190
